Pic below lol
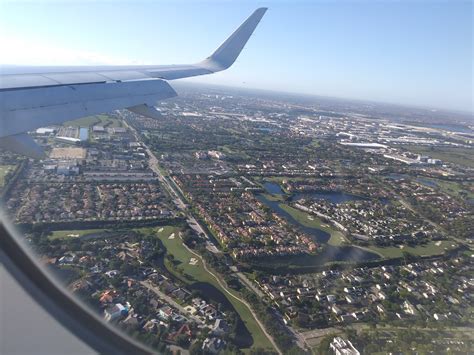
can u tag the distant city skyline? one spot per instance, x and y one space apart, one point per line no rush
408 53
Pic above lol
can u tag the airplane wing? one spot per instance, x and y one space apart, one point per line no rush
33 97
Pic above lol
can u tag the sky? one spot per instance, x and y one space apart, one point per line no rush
416 53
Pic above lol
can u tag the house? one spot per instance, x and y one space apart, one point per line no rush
165 312
131 321
343 347
213 345
151 326
408 308
380 309
220 327
114 312
108 296
67 259
336 310
346 318
154 303
112 273
184 329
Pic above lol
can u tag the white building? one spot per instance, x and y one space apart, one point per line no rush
114 312
343 347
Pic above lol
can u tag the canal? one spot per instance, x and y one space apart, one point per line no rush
331 196
243 338
211 294
329 253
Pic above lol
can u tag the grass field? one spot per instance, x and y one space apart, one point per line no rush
454 188
197 273
271 197
4 169
100 120
428 249
337 238
460 156
72 233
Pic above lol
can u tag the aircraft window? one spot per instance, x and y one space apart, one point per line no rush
186 217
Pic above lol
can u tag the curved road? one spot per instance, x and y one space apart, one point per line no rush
153 162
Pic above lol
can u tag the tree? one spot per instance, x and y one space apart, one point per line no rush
195 348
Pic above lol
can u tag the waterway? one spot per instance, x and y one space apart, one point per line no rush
420 179
329 252
449 127
331 196
426 182
273 188
211 294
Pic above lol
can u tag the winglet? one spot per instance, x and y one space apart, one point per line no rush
227 53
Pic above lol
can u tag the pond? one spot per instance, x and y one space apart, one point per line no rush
329 253
266 129
318 235
273 188
331 196
449 127
211 294
83 134
426 182
420 179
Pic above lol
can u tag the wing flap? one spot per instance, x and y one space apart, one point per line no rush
145 110
24 110
22 144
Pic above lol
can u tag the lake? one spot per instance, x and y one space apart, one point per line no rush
426 182
266 129
449 127
273 188
329 253
331 196
211 294
318 235
420 179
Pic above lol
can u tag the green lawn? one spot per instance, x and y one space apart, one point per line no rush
90 121
315 143
72 233
271 197
428 249
337 238
197 273
454 188
309 220
4 169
